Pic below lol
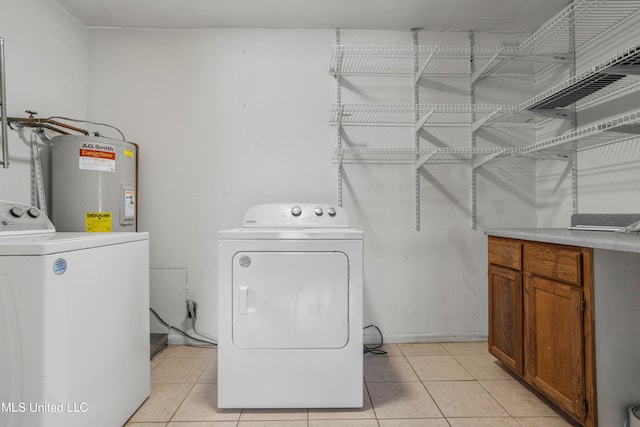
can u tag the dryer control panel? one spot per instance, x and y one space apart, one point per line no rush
297 215
19 218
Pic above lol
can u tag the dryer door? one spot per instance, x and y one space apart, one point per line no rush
290 300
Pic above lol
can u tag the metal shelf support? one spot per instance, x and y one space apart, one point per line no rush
477 163
423 160
3 109
337 75
475 74
416 135
421 68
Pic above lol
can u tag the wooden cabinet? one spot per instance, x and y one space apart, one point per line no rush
505 302
505 316
540 321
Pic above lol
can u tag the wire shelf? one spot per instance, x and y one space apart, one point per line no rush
582 21
553 35
435 115
398 60
413 156
597 79
601 83
603 15
611 131
571 29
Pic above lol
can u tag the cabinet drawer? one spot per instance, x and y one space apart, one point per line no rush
505 252
554 261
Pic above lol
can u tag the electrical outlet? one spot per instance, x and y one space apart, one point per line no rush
191 308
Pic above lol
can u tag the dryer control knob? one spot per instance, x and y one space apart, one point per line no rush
296 211
331 211
16 212
33 213
319 211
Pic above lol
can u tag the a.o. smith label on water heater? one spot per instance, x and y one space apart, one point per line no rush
97 158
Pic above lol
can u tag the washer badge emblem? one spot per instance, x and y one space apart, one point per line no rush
244 261
59 266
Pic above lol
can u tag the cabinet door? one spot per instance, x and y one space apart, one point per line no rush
505 316
554 342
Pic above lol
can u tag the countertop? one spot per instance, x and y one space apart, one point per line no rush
625 242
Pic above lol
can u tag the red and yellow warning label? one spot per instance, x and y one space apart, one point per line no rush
98 222
100 160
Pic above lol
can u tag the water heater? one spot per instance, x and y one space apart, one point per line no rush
93 184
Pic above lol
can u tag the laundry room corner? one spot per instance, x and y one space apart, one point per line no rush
338 212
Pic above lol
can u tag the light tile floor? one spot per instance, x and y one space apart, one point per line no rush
413 385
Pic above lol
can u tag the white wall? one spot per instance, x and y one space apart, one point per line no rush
45 69
225 119
231 118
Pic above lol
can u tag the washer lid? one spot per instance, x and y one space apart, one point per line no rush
53 243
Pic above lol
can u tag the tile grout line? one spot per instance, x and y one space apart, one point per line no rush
425 387
192 386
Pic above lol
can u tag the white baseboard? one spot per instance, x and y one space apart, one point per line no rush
175 338
471 336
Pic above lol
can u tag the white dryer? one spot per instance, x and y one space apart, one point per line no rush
290 309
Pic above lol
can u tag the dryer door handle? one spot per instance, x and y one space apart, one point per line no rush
246 300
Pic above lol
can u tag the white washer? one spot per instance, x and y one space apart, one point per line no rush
290 309
74 323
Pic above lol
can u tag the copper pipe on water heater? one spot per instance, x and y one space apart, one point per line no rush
50 124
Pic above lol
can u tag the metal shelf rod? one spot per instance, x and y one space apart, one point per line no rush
3 109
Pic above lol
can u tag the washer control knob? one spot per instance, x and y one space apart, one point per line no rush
319 211
296 210
16 212
33 213
331 211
